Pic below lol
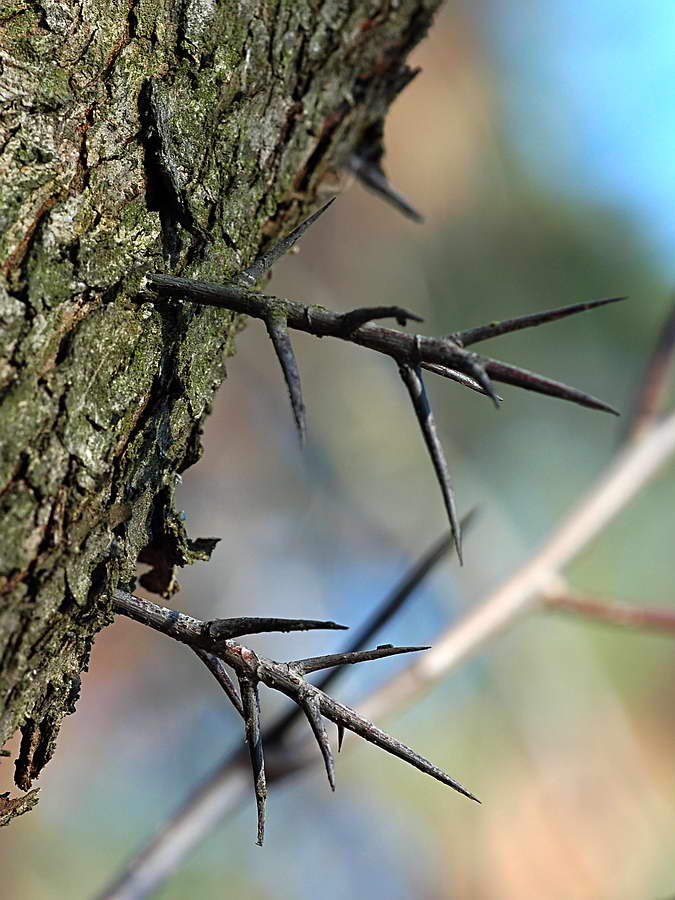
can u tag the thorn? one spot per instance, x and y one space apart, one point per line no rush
217 669
459 377
494 329
341 735
355 318
227 629
278 332
312 710
412 378
370 174
349 718
264 263
315 663
251 704
478 373
530 381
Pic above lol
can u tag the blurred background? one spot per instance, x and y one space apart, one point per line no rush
539 142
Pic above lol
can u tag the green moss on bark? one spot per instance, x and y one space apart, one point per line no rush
143 135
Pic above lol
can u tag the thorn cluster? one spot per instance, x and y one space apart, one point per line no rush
445 356
213 643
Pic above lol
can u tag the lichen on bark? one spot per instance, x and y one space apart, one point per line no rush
136 136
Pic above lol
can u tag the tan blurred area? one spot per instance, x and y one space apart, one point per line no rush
564 729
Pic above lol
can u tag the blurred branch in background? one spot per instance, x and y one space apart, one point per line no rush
608 612
651 393
225 790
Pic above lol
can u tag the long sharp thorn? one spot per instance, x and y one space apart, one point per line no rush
312 710
217 669
531 381
459 377
264 263
355 318
494 329
251 704
278 332
350 719
477 372
371 176
412 378
226 629
315 663
341 735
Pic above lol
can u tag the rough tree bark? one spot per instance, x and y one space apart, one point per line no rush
141 135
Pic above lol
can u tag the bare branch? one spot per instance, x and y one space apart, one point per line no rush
608 612
252 669
654 382
250 276
412 378
506 326
248 689
414 350
278 332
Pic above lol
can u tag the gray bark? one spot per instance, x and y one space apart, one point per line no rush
146 135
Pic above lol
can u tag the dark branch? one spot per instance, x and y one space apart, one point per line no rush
415 350
412 378
252 669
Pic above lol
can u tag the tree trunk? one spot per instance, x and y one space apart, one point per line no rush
144 135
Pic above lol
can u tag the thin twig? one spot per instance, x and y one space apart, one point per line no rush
608 612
